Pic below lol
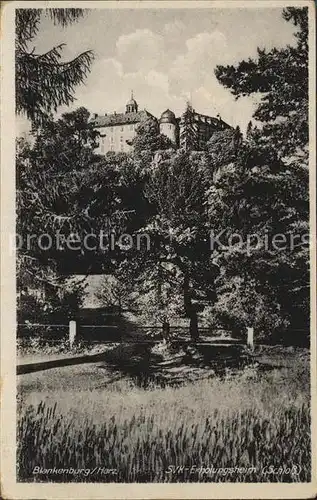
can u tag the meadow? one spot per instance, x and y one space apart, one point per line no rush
251 426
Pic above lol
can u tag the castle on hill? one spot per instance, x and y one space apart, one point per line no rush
117 130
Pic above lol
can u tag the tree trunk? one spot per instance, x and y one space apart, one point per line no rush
193 326
190 311
166 331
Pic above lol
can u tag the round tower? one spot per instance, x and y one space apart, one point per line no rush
168 125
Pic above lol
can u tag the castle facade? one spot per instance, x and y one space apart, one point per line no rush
117 130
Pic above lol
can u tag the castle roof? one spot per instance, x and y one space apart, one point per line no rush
121 118
216 122
168 117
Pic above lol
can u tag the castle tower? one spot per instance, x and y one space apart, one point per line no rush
132 105
169 126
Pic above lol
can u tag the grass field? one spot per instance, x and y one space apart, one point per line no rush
256 420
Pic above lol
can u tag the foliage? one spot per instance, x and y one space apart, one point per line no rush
189 134
265 205
133 174
242 304
45 296
222 148
266 194
148 138
113 292
45 81
66 191
62 145
178 262
160 296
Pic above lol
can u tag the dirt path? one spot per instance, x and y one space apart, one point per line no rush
142 363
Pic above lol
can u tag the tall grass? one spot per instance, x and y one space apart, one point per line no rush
250 423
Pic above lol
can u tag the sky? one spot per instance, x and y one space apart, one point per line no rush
166 56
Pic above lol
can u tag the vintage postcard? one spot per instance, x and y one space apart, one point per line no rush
158 250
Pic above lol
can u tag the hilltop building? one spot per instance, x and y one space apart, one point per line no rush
117 130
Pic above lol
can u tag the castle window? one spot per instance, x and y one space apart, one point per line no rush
122 128
121 139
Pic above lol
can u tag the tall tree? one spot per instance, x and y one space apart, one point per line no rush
264 202
266 196
189 134
280 76
44 81
178 263
64 189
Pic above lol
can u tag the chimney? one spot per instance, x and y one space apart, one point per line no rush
105 114
95 115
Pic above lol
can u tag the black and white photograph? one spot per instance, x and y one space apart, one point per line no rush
159 240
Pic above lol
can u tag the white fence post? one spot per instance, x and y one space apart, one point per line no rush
72 332
250 339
